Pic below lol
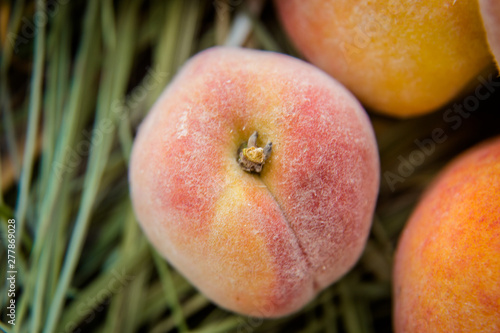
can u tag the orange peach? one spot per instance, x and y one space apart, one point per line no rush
447 264
262 244
490 12
400 58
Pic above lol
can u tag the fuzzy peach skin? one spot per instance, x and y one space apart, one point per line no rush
447 265
262 245
400 58
490 12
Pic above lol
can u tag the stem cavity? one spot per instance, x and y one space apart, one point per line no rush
253 158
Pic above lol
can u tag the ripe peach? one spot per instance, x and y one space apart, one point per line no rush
400 58
490 12
263 243
447 264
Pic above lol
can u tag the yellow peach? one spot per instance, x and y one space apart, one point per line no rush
400 58
447 264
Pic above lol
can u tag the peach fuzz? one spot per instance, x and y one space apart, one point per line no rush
447 264
258 244
490 12
400 58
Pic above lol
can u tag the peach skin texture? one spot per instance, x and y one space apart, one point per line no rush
447 265
400 58
490 11
262 245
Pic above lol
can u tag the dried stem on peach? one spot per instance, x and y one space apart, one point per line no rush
252 158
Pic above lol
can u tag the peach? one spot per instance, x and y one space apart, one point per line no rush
447 264
400 58
490 12
258 243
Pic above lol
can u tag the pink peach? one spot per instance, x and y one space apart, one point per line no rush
490 12
258 244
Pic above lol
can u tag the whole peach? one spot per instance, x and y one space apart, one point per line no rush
261 244
447 264
400 58
490 12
